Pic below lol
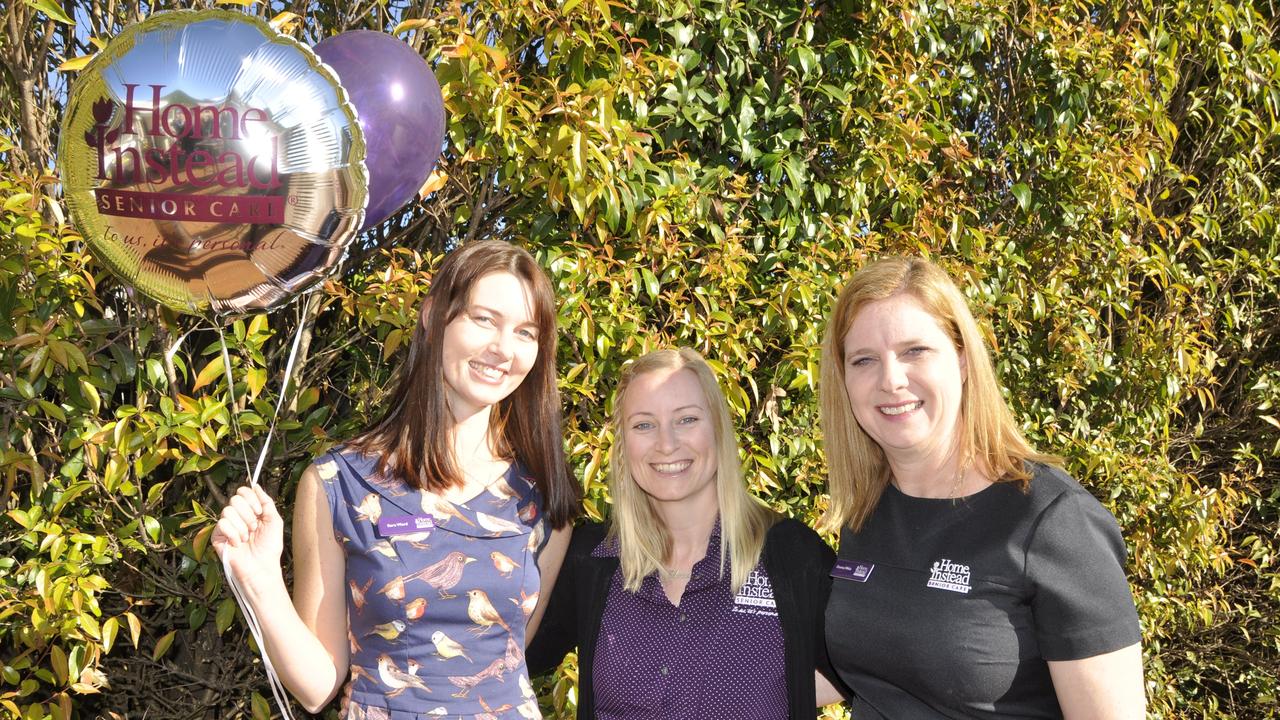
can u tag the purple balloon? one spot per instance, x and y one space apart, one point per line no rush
401 111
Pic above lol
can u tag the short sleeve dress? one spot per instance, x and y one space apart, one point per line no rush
437 593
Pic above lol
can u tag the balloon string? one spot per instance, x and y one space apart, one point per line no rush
284 386
231 390
246 608
255 628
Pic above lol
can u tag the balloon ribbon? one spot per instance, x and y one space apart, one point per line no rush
251 617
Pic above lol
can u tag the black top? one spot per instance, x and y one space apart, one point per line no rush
950 608
798 563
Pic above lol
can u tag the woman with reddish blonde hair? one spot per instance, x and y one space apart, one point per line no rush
975 578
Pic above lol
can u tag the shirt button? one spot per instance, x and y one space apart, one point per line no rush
664 670
683 617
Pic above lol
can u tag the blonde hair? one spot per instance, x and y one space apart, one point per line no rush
642 537
987 435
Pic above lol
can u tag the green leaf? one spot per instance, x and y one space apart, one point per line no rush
18 201
152 527
53 10
225 615
651 284
261 708
1023 195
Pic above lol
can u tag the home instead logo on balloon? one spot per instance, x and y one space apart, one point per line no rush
198 151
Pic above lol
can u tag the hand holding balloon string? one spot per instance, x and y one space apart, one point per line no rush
249 536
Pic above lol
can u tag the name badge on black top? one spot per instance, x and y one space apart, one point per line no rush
855 570
404 524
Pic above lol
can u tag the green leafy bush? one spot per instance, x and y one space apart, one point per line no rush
1099 174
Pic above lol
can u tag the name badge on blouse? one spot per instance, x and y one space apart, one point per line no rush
404 525
855 570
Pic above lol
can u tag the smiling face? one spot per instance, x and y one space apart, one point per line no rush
670 438
490 346
905 379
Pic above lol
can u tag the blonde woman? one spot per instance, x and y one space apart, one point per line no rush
697 602
975 578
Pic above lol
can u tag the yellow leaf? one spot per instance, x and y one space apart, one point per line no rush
208 374
76 63
98 42
201 542
255 378
135 628
162 645
91 395
258 324
415 24
285 22
109 630
392 342
59 659
499 58
435 181
241 3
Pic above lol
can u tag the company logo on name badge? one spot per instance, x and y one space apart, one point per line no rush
404 525
855 570
756 596
946 575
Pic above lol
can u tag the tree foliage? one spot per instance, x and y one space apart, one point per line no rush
1099 174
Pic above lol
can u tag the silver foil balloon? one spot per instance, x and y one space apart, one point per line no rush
212 163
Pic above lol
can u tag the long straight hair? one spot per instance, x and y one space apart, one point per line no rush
643 539
987 435
413 438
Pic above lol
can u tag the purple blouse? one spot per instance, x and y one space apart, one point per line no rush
715 656
437 594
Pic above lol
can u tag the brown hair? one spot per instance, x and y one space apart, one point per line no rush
987 434
412 437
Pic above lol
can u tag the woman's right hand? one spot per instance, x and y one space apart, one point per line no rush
250 534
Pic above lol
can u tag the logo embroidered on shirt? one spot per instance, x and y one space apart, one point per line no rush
946 575
755 597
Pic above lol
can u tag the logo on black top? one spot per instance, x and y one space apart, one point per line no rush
946 575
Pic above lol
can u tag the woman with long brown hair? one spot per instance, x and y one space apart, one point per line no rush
421 548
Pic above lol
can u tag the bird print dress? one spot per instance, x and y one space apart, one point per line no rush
437 594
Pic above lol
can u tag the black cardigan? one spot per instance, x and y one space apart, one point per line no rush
799 566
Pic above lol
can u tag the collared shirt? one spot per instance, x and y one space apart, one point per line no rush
715 656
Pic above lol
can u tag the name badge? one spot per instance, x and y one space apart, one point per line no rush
404 524
855 570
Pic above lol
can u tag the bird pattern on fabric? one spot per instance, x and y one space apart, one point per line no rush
436 616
